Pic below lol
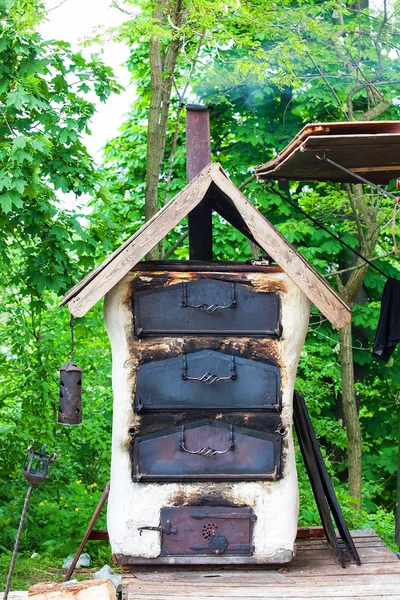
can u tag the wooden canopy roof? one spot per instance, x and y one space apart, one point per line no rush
211 185
369 148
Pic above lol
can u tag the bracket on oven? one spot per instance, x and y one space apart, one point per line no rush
208 308
206 451
208 378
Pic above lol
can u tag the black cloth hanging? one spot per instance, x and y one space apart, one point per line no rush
388 330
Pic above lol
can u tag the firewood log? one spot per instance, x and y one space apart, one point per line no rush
97 589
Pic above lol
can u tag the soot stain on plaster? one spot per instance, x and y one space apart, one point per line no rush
159 422
156 350
150 350
148 280
144 280
212 497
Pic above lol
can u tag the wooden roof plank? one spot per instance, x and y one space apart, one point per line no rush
339 129
91 289
81 284
292 262
370 148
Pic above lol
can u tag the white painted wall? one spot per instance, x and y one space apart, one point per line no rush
132 505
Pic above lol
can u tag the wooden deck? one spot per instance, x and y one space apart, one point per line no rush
314 573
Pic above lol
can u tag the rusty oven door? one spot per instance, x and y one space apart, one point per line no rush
206 451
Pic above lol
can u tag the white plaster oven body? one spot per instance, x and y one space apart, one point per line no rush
136 504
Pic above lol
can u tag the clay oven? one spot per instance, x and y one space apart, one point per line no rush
203 412
204 364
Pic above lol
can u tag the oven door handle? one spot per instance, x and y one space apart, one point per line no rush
206 451
208 308
208 378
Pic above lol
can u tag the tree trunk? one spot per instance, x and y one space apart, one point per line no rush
162 69
365 215
350 412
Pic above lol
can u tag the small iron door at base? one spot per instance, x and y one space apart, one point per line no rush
207 530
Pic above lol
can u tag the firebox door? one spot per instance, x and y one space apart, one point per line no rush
206 530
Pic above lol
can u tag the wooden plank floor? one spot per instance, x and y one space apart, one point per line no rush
314 573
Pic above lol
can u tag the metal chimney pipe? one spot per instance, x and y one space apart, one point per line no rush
198 148
198 156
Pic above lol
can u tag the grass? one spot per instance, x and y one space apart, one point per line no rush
29 571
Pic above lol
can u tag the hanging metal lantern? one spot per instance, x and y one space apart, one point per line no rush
70 404
36 470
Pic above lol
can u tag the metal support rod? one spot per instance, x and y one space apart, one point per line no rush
71 326
15 551
93 520
333 235
353 174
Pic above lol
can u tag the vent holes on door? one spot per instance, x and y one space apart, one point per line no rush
209 530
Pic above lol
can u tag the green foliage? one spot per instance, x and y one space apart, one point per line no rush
266 73
61 509
44 114
43 248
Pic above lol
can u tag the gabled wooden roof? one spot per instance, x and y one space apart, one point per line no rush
368 148
227 199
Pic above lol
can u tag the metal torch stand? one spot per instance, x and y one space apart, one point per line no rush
15 551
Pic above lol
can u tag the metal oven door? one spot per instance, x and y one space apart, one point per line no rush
206 451
207 380
206 306
207 530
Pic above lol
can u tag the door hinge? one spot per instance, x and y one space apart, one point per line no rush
167 529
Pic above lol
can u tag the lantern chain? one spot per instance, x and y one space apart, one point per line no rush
71 325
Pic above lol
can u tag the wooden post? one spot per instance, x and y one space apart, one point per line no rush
93 520
198 156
